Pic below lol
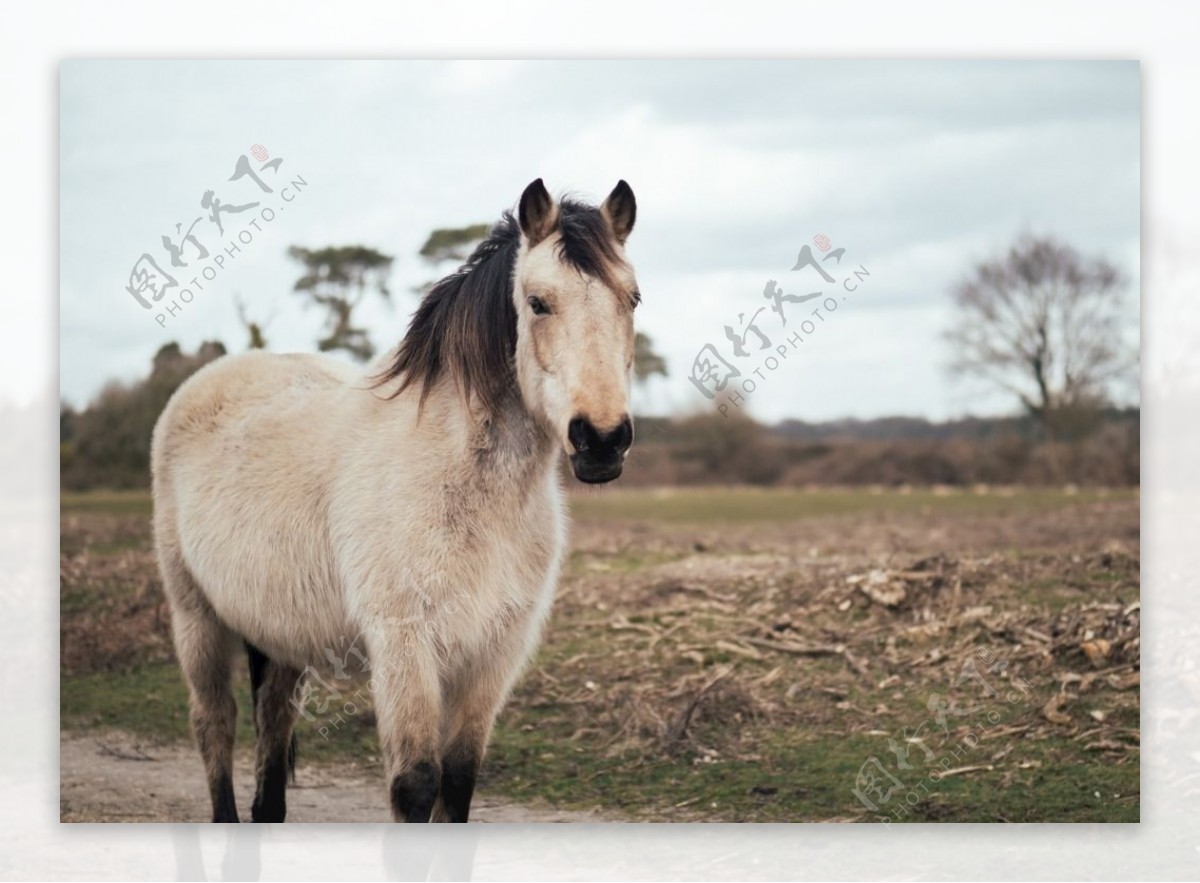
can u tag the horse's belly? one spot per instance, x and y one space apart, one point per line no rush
294 631
277 593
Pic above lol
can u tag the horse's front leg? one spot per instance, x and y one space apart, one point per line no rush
404 673
471 724
461 761
474 698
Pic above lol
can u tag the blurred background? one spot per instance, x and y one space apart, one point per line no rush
995 206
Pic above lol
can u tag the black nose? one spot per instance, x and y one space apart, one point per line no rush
587 439
598 454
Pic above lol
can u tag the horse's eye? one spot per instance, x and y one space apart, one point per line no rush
538 306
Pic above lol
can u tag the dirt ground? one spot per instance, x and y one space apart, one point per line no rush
116 777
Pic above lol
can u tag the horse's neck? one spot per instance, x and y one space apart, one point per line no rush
512 443
508 450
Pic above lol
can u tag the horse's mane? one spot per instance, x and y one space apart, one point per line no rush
466 326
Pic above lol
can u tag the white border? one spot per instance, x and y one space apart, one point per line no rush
1164 37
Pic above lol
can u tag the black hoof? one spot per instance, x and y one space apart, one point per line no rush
414 792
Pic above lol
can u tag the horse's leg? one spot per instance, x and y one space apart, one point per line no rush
408 708
473 703
273 685
461 759
205 649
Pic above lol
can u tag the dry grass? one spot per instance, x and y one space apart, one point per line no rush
705 664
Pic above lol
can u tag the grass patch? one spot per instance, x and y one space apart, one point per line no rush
76 599
581 563
751 505
112 502
735 504
793 778
151 702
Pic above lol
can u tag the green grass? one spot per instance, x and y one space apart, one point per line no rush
751 505
135 502
736 504
807 779
581 563
152 702
74 599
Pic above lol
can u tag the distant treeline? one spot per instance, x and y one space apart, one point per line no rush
107 445
706 449
920 429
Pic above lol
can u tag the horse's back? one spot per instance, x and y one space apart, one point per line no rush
229 389
243 410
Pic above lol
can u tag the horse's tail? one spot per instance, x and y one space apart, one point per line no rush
258 673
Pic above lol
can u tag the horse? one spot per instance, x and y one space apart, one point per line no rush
417 504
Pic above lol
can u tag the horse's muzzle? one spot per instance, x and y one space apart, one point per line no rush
599 455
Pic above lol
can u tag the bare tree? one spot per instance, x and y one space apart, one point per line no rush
1043 322
254 329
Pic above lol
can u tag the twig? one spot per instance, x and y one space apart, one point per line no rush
678 730
798 649
965 769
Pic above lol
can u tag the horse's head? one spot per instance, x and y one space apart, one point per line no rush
574 294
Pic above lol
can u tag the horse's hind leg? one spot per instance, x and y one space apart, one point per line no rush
273 685
205 649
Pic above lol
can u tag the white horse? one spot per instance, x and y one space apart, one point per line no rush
298 501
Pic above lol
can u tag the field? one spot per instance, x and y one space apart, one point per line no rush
713 655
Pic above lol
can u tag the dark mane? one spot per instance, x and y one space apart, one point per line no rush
466 326
587 242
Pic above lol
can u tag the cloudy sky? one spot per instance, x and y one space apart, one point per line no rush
916 169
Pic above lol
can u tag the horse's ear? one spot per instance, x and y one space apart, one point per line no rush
621 211
537 213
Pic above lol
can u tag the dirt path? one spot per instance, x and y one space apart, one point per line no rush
114 777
